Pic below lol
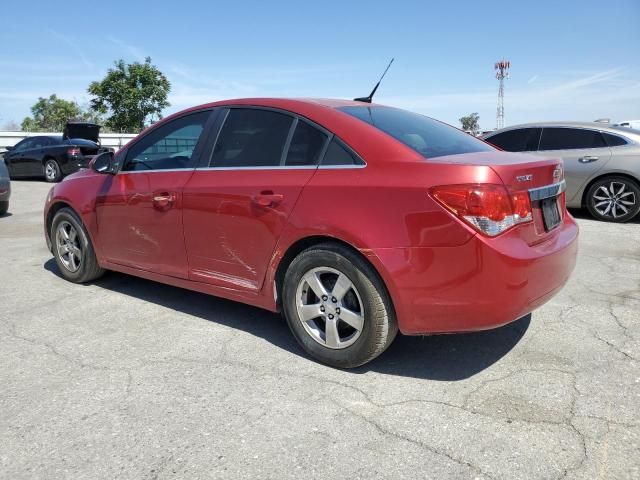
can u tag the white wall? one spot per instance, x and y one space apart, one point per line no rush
113 140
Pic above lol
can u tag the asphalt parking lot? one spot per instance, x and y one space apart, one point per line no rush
129 379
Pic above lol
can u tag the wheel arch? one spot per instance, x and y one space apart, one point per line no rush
583 199
304 243
51 213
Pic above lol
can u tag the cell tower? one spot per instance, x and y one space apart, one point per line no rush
502 71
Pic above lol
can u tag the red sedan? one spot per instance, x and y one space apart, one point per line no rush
356 220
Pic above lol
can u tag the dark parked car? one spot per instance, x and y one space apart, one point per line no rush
55 157
5 188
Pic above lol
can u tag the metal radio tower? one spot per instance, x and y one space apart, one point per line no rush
502 71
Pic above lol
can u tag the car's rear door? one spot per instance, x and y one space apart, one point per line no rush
237 204
139 210
33 158
583 151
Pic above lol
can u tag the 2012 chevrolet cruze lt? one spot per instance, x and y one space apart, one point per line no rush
354 219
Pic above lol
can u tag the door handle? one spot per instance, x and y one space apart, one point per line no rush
164 200
268 199
588 159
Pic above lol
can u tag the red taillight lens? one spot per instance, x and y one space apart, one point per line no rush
490 209
74 152
562 203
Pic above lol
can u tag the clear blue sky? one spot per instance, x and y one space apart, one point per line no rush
570 59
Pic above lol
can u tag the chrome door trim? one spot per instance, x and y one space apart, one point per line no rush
156 170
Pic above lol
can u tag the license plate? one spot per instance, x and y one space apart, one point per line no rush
550 213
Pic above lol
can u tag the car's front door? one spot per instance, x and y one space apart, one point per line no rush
15 159
236 207
139 210
583 151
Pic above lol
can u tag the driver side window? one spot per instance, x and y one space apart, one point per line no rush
24 145
170 146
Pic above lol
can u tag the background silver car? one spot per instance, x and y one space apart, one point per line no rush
601 162
5 188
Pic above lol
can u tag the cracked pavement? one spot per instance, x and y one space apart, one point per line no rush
129 379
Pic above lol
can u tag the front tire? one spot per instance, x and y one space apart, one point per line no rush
72 248
52 172
4 207
614 199
337 306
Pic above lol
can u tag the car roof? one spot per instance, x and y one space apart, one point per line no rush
605 127
298 105
267 101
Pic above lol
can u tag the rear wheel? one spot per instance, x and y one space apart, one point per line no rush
614 199
52 172
72 248
4 207
337 307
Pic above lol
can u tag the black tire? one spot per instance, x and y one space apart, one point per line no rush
379 325
4 207
88 268
52 172
613 194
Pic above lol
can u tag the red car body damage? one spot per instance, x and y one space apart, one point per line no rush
225 232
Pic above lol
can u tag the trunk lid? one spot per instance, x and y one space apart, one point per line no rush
84 130
516 170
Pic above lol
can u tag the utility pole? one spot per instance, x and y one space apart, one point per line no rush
502 71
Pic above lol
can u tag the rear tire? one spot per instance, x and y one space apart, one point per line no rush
613 199
337 306
4 207
72 248
52 172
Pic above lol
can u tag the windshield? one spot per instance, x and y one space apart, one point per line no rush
425 135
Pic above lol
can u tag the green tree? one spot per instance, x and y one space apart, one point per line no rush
130 94
471 123
50 114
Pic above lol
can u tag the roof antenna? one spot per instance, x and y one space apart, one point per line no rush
373 92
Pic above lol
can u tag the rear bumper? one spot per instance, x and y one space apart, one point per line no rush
482 284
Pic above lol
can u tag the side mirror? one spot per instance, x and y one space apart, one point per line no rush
103 163
9 148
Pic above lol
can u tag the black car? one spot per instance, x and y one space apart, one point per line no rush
55 157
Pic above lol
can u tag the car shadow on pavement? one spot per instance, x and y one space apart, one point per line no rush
437 357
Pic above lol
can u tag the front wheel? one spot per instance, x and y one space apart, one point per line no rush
52 172
337 307
72 248
4 207
614 199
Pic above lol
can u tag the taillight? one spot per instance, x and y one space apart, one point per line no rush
73 152
490 209
562 203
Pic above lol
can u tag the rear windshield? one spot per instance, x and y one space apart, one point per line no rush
425 135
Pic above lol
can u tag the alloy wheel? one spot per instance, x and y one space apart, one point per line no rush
614 200
68 246
330 307
51 170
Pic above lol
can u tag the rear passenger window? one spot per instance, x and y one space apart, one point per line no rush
251 138
338 154
306 145
613 140
518 140
570 139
